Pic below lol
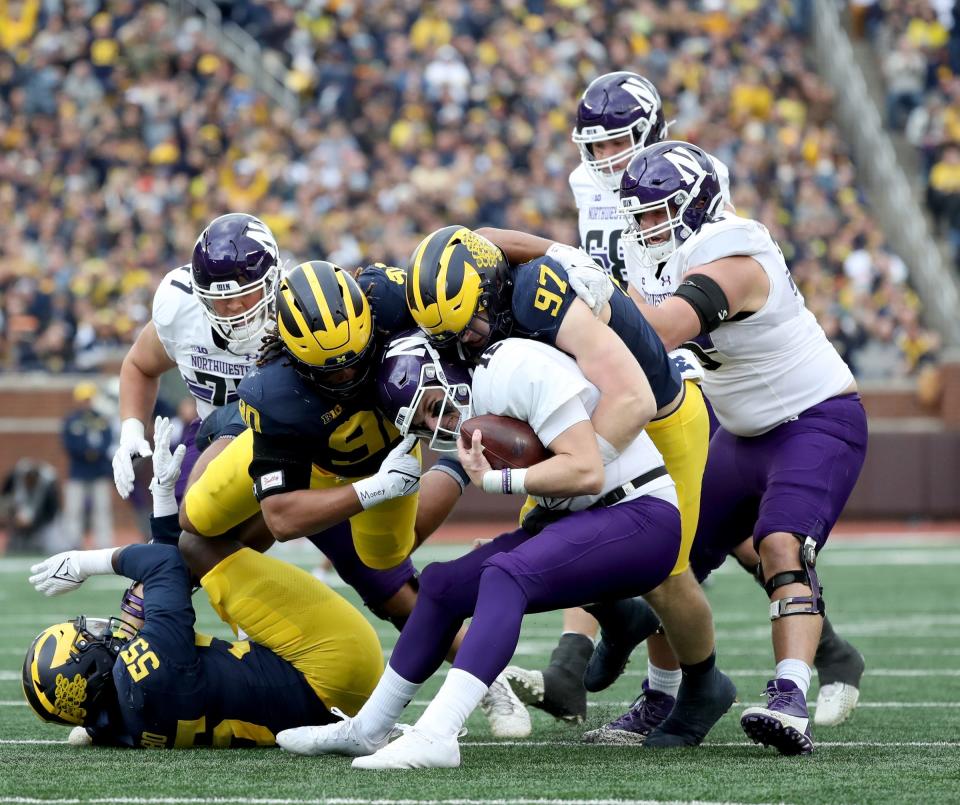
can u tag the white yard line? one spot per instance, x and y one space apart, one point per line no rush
345 801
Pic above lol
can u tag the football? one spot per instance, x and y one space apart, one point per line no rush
508 443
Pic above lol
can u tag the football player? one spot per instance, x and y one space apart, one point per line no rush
619 533
461 289
324 461
619 114
147 679
208 319
793 432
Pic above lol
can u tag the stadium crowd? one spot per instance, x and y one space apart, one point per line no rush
918 45
121 135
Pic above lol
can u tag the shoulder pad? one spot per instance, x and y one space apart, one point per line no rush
541 296
385 287
281 400
173 294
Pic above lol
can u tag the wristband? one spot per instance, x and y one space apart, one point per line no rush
95 563
164 499
504 482
131 430
370 492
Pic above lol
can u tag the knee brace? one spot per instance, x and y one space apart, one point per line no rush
807 575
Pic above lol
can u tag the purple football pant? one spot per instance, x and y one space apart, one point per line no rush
593 555
374 586
795 478
189 438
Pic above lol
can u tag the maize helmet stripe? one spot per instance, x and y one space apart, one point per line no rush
446 282
324 318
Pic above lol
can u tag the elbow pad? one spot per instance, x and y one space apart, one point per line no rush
707 299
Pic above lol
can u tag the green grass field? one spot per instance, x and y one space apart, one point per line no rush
896 600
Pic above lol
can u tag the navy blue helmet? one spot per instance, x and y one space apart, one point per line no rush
617 105
676 186
236 256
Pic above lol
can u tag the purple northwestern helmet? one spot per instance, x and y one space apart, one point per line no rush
234 256
616 105
410 368
672 177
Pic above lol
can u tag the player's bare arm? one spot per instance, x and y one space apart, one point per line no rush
140 374
626 400
733 285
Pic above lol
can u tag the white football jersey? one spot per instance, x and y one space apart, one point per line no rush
211 371
601 223
540 385
774 364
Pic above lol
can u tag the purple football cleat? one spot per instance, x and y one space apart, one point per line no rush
784 723
633 727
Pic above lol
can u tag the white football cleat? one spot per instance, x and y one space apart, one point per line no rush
340 738
835 704
506 714
415 749
79 737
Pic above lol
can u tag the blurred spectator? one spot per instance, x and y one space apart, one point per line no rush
30 508
943 190
905 71
87 438
122 134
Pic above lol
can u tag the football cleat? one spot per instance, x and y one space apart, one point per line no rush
340 738
839 668
558 689
505 712
414 749
701 703
633 727
784 723
835 704
632 622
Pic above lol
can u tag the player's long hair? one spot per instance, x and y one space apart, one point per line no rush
271 346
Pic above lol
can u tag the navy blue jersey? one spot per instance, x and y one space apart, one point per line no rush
295 426
541 297
176 688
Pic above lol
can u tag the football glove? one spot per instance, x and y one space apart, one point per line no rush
132 443
166 469
399 475
66 571
588 279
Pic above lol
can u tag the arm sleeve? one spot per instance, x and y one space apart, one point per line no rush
168 613
280 464
165 530
454 469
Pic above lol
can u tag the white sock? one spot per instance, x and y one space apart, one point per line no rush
457 698
382 710
796 671
664 680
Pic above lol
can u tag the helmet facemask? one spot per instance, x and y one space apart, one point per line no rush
456 397
250 324
602 170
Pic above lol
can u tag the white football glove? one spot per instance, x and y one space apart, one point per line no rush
399 475
132 443
66 571
588 279
166 468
